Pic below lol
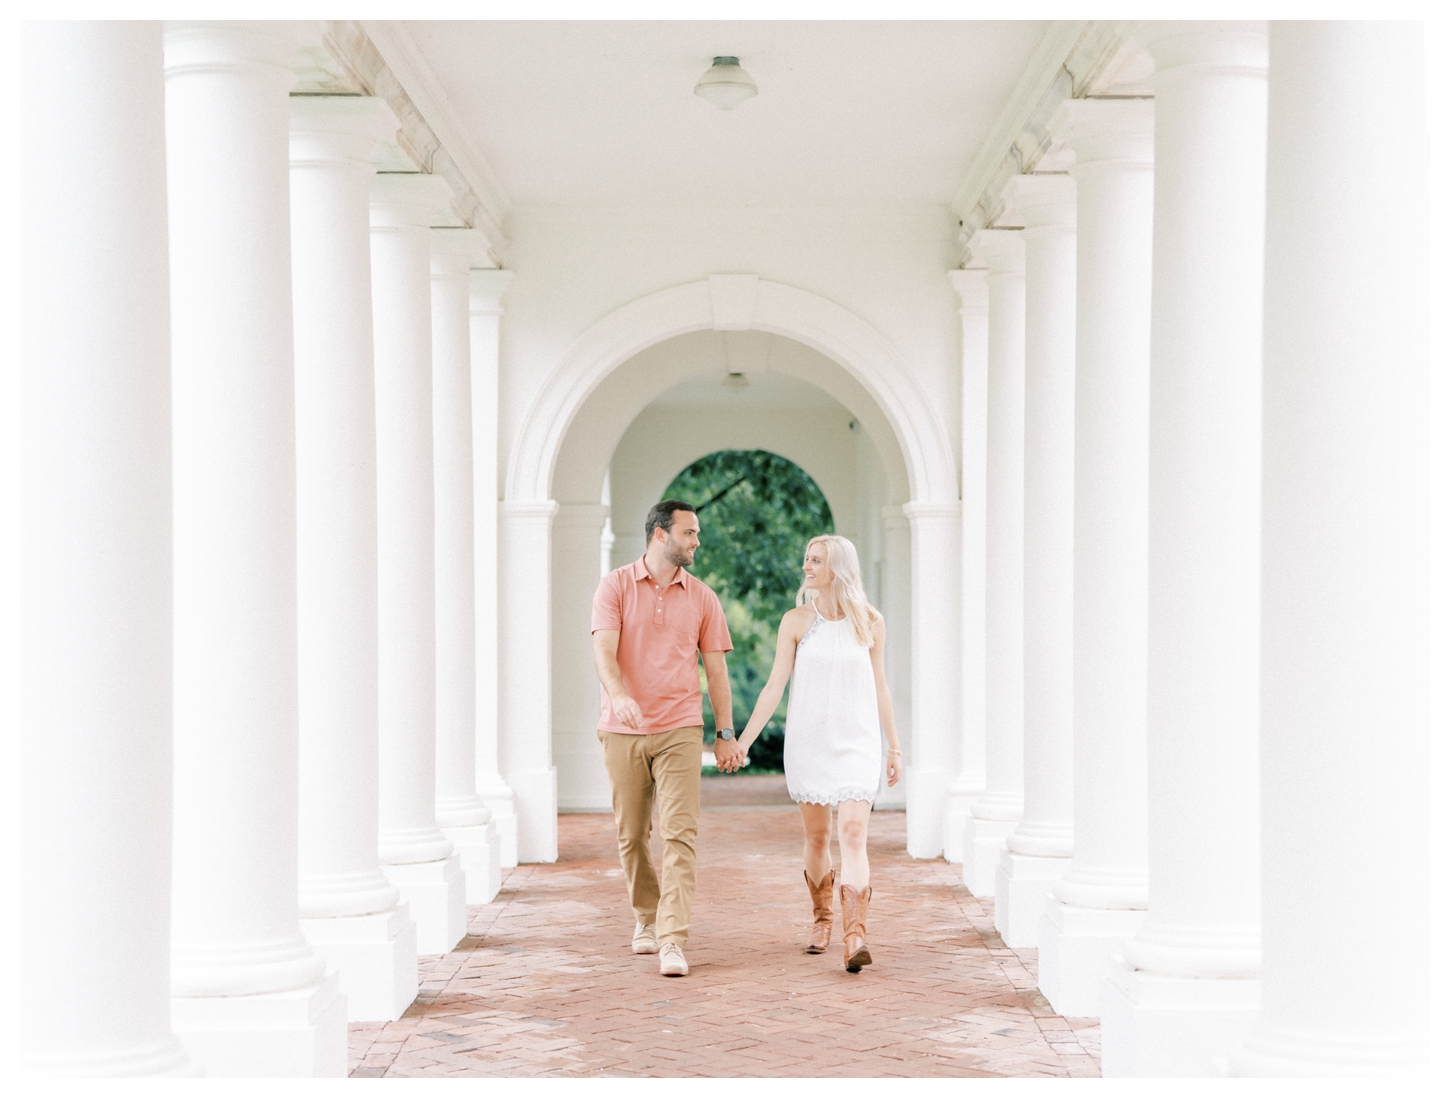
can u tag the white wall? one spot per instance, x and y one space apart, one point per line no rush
575 267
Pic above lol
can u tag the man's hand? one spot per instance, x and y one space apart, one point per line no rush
729 756
627 710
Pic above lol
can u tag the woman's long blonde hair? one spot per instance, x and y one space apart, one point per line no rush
845 568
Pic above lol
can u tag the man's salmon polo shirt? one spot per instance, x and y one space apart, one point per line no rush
660 630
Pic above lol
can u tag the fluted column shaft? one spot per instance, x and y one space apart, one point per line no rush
1046 205
462 812
971 777
935 670
351 912
458 802
575 538
1354 559
235 900
1194 959
485 295
408 833
337 549
87 675
996 812
525 666
1099 901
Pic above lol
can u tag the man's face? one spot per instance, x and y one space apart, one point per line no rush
683 539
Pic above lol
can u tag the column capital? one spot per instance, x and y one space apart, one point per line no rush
924 512
486 289
207 46
454 250
520 512
408 199
1105 129
331 128
582 515
971 287
1042 201
1229 46
1001 250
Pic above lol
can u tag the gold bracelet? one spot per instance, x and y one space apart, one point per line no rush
893 751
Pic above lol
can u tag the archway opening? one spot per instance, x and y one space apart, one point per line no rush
757 512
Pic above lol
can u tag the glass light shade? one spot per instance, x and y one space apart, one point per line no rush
725 84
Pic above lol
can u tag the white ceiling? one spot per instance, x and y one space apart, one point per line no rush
849 113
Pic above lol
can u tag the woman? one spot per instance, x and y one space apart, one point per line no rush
834 642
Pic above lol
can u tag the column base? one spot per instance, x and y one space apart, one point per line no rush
1287 1054
478 851
1073 948
926 807
165 1058
536 803
1171 1026
982 844
1024 882
299 1034
376 957
434 894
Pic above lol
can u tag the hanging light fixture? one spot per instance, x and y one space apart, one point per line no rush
725 84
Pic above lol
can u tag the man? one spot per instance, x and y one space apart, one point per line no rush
650 619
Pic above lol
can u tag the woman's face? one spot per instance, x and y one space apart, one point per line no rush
818 572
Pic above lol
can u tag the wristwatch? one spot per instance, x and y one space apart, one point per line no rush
724 733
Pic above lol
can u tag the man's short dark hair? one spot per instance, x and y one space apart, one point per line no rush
662 516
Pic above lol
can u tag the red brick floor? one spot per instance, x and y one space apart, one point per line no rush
545 983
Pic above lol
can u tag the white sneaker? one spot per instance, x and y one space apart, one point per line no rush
672 960
644 939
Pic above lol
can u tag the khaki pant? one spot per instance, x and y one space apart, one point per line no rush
663 767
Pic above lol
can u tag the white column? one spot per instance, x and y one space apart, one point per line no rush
485 294
1039 848
250 994
971 779
1354 562
350 912
936 630
524 674
898 610
583 781
463 814
87 670
995 813
1186 988
1101 900
415 853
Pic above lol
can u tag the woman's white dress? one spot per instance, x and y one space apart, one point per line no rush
832 726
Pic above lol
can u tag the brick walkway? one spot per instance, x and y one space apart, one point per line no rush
545 983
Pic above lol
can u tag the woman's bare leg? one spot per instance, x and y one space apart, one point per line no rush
817 821
851 820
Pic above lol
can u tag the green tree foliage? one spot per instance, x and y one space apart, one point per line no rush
757 511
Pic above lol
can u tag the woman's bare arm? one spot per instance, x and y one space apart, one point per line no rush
883 701
786 639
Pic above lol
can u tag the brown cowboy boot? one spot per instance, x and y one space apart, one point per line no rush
853 926
821 901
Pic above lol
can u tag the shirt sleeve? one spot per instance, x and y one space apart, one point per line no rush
714 631
607 612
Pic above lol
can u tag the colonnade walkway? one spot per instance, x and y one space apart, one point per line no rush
545 983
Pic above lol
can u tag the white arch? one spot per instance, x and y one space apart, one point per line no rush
777 308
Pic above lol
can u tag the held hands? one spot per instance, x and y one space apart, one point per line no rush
627 710
729 755
893 767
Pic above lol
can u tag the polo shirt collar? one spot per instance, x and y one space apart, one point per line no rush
640 572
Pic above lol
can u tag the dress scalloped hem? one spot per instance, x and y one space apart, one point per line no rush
869 796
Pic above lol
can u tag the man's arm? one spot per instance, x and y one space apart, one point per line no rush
606 665
717 683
